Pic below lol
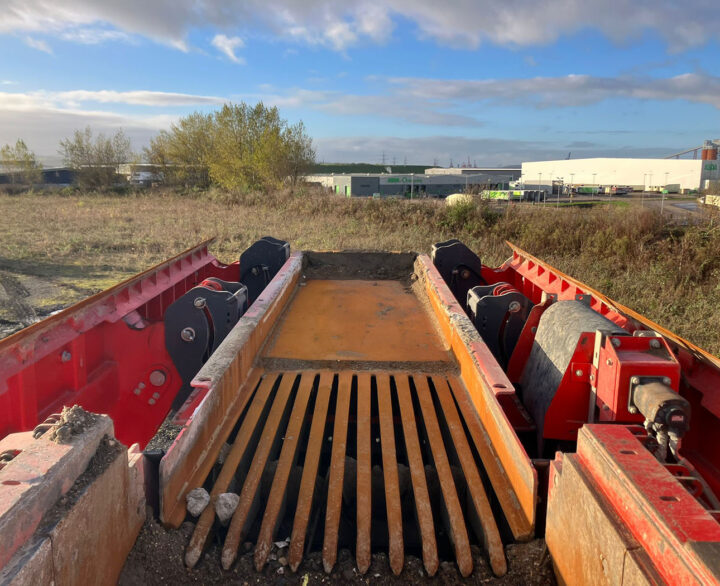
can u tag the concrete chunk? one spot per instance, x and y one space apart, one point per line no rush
197 499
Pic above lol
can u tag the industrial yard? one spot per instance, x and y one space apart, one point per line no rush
60 249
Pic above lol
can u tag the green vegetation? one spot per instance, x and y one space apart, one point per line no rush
238 147
95 160
21 163
668 272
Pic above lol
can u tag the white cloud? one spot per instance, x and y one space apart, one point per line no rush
569 90
8 82
412 109
485 151
44 118
74 97
38 44
135 98
339 25
94 36
228 46
42 125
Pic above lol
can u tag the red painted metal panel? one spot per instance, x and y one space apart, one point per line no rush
100 353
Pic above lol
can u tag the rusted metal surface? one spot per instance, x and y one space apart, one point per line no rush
232 461
423 508
681 537
223 385
336 473
484 382
285 463
455 520
273 432
390 472
602 551
364 473
424 421
40 473
245 510
379 321
488 527
310 467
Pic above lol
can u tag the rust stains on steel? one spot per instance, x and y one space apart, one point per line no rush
310 467
390 471
273 430
225 381
337 471
232 461
364 473
488 527
423 507
456 524
285 463
482 377
243 516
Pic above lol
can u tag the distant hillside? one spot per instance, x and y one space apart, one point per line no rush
327 168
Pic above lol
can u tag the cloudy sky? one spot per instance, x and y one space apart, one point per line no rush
419 80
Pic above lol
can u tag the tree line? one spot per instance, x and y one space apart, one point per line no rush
238 147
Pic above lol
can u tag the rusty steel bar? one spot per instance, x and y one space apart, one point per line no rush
205 522
307 483
243 516
458 531
417 476
364 473
522 529
390 471
489 528
336 473
282 472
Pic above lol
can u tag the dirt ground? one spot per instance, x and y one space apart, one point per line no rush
157 558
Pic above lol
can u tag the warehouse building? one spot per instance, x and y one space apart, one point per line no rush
512 172
415 185
682 175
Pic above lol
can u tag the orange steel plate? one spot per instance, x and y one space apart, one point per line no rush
363 551
357 320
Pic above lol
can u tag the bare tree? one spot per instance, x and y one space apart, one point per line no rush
21 163
95 161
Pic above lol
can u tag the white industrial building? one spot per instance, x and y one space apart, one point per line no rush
408 184
638 174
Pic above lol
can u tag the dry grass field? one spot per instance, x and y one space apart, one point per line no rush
59 248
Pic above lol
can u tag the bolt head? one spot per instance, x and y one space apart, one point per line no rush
199 302
65 356
666 380
655 343
609 362
514 307
632 409
635 380
187 335
157 378
578 372
465 274
616 342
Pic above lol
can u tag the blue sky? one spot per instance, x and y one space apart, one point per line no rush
418 80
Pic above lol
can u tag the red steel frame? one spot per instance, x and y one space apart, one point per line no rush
700 371
100 352
653 509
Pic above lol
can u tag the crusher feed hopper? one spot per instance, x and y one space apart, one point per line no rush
416 405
